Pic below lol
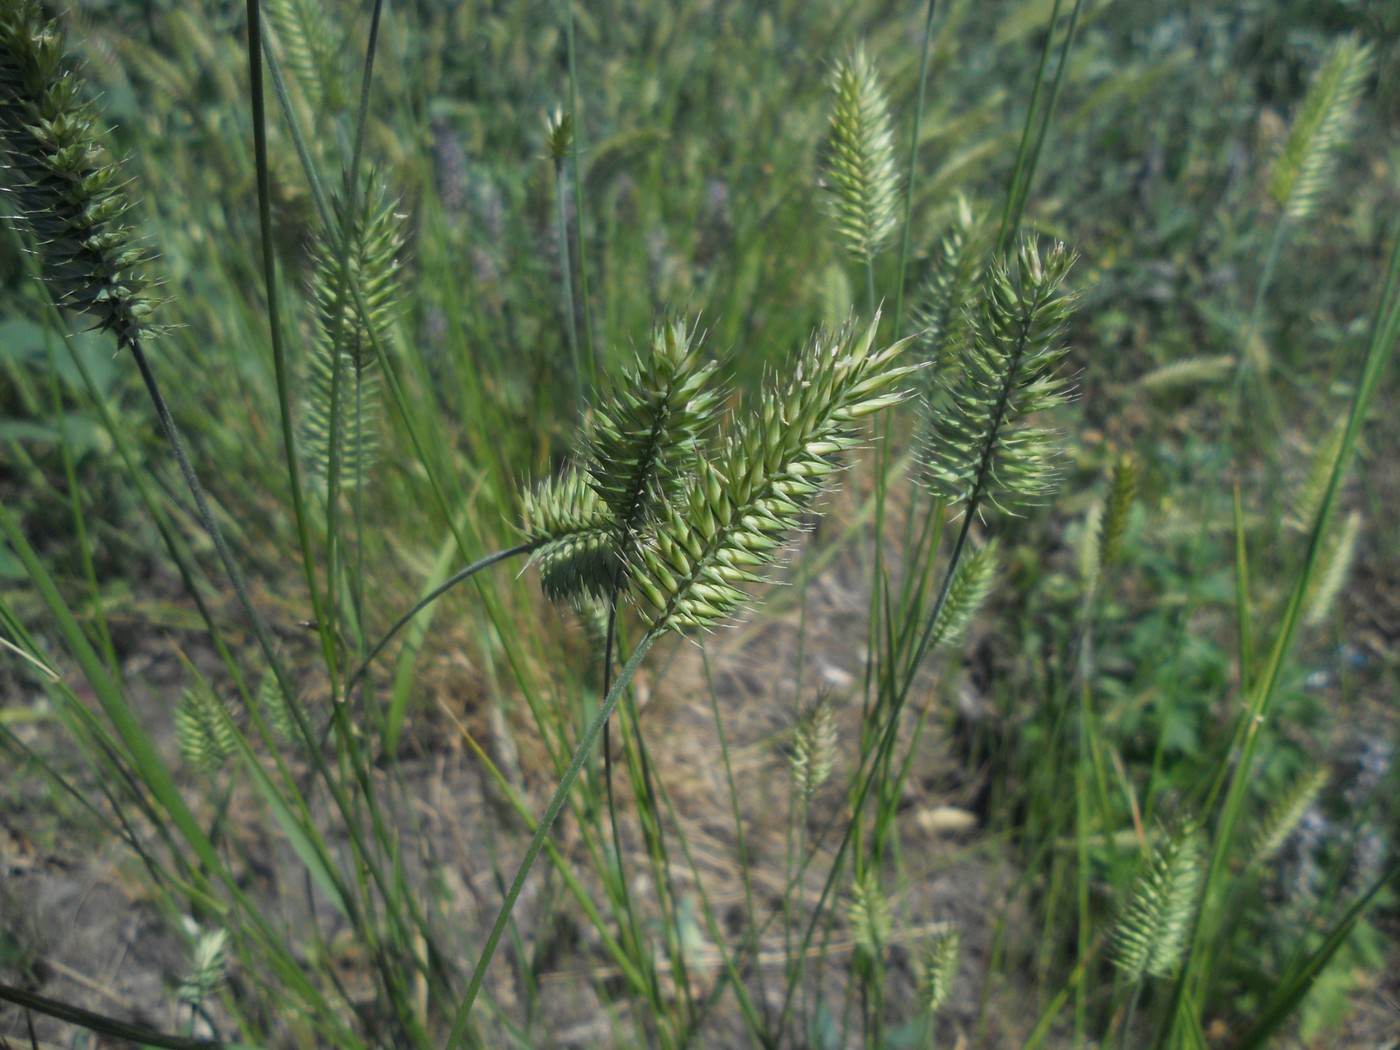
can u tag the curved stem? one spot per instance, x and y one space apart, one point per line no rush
432 596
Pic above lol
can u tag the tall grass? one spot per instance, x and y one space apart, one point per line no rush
592 307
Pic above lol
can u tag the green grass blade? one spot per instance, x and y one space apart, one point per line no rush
556 803
1286 999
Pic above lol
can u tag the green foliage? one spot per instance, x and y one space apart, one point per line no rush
1100 696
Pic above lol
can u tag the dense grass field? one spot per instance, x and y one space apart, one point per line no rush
718 524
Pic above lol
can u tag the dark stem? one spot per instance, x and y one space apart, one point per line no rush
95 1022
432 596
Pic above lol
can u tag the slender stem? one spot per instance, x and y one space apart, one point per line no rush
913 166
632 934
566 285
1028 155
432 596
279 355
591 347
551 812
95 1022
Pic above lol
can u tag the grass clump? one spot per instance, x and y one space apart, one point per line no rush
1072 593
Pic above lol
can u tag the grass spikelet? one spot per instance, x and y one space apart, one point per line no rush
814 749
1127 476
276 709
1286 815
971 585
578 556
1189 372
940 966
1303 168
65 188
1151 934
735 510
311 48
642 448
558 135
1308 500
869 916
941 312
1333 571
341 405
210 967
978 443
645 440
861 163
1090 552
593 617
203 731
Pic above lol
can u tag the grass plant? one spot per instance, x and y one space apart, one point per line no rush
589 301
